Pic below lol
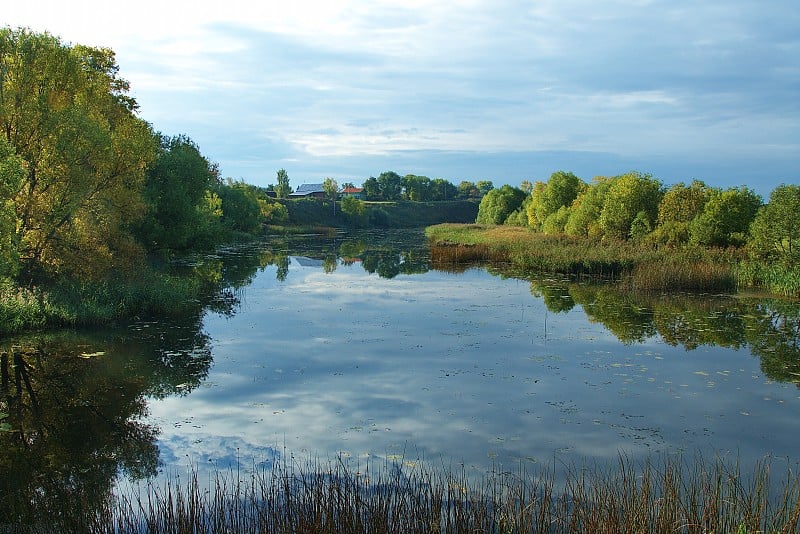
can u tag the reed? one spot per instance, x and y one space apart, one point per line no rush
641 266
778 278
667 495
96 302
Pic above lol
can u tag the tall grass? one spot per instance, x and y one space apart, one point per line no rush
668 495
643 267
95 302
778 278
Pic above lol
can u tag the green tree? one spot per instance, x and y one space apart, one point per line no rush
468 190
331 189
442 189
586 209
484 186
775 233
391 185
498 204
372 189
240 208
354 210
560 191
12 176
416 188
679 206
627 196
70 120
182 208
726 218
273 212
282 190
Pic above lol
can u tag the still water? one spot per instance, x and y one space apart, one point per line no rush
356 347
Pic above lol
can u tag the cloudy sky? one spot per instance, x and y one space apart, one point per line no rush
503 90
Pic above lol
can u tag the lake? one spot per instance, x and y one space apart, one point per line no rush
356 347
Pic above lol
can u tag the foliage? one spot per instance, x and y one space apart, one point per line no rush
272 212
391 186
241 211
726 218
498 204
560 191
283 189
627 196
372 189
586 209
354 210
467 190
179 193
679 206
775 230
68 116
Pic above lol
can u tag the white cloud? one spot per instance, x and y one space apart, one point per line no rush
354 78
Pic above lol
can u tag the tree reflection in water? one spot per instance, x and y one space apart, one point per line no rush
769 327
72 408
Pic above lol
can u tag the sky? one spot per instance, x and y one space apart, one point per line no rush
501 90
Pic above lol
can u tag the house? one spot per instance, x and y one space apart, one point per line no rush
355 192
308 191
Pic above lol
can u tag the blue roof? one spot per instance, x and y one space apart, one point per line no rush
310 188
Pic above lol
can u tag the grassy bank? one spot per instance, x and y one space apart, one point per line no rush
661 496
72 303
639 267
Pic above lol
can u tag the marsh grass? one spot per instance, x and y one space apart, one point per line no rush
668 495
640 266
778 278
95 302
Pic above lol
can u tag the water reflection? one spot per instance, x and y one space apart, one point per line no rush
769 327
354 344
73 407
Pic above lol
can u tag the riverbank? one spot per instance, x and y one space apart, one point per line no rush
639 267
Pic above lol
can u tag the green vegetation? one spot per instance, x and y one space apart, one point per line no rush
631 227
406 497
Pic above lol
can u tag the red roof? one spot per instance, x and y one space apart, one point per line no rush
352 190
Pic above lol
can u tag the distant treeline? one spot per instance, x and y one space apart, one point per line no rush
638 207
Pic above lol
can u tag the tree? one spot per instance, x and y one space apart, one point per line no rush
467 190
628 195
586 209
179 193
726 218
331 189
12 176
484 186
442 189
560 191
354 210
775 231
391 185
68 117
372 189
282 190
498 204
240 208
678 207
416 188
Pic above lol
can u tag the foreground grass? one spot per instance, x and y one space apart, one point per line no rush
639 267
664 496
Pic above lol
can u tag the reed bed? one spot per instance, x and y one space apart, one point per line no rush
668 495
641 266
